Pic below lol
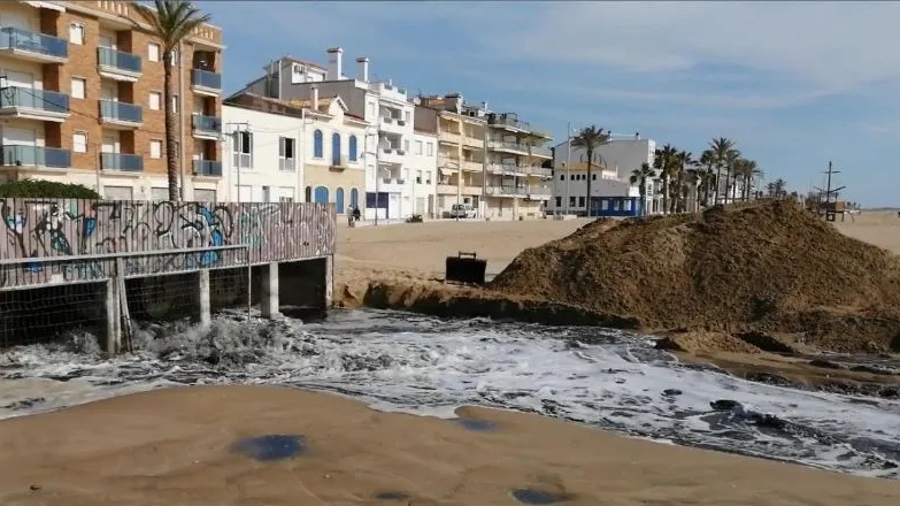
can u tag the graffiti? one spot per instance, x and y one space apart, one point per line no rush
42 228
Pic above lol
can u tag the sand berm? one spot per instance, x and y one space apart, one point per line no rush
768 272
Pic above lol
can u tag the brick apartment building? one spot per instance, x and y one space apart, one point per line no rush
81 100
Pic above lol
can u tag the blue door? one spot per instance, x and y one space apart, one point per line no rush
321 195
339 200
354 198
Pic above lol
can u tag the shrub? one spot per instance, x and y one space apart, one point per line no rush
46 189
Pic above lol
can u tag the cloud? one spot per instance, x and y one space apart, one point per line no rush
829 45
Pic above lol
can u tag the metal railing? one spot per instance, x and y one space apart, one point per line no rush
33 42
206 79
122 161
36 156
286 164
111 110
111 58
210 124
41 100
207 168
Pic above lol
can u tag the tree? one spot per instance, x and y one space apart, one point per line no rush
38 188
590 138
731 161
707 160
640 177
664 161
172 22
722 151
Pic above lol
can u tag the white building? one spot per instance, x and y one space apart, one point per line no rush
610 176
302 150
382 105
423 172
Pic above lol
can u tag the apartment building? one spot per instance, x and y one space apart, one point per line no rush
612 193
302 150
384 106
517 185
82 100
423 160
461 150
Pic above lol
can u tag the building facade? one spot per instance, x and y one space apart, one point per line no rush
517 185
423 161
386 109
82 100
612 192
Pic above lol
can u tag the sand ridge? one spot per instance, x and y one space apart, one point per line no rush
172 446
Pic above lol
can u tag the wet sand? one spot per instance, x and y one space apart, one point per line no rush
176 446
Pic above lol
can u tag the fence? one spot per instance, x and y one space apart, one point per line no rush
78 232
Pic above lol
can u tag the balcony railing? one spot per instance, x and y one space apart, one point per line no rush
36 156
286 164
514 146
210 168
110 110
49 101
207 123
122 161
111 58
32 42
206 79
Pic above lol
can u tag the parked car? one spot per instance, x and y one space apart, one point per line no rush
463 211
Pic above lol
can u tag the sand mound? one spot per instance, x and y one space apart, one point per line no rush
274 446
767 265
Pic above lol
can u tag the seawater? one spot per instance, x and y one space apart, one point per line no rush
417 364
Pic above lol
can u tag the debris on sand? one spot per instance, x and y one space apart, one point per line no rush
767 266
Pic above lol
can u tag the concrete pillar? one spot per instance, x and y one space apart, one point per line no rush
203 304
329 280
269 303
113 318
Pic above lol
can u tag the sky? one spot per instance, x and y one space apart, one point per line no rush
795 84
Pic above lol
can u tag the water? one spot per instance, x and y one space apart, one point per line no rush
417 364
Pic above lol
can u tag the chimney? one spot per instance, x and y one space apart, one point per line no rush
362 69
335 63
637 135
314 102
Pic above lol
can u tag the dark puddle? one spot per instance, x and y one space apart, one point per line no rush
476 425
391 496
531 496
270 447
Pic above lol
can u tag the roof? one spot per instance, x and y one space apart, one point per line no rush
324 103
304 62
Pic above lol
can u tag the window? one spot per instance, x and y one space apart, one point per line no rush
76 33
286 153
558 201
418 177
79 85
406 116
580 201
80 142
318 149
155 100
242 149
562 177
173 59
427 177
418 147
156 149
430 149
175 103
336 149
351 152
153 51
372 111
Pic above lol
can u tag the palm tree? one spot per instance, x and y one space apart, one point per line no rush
721 149
693 177
590 138
663 161
707 159
640 177
731 161
171 22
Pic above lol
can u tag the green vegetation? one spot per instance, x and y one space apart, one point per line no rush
31 188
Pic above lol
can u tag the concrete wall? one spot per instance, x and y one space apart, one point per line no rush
31 228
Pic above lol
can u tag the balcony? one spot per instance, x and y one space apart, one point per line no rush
206 127
36 157
520 149
205 82
286 164
121 161
32 46
472 166
450 138
338 163
392 185
121 115
514 125
391 155
540 172
389 90
208 168
27 103
506 191
392 125
446 189
538 193
507 169
473 142
119 65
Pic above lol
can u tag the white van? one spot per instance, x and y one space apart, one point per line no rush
462 211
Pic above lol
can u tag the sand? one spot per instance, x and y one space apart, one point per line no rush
175 446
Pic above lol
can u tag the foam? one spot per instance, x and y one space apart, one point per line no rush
427 366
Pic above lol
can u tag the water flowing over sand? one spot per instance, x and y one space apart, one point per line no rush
418 364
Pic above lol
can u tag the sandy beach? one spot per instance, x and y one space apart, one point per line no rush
178 446
184 445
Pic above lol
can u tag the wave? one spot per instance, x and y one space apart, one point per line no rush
418 364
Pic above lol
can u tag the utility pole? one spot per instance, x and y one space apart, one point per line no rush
828 192
237 140
484 170
568 165
377 169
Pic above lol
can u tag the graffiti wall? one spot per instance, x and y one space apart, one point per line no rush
80 229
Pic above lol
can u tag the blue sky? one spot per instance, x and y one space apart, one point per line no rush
795 84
